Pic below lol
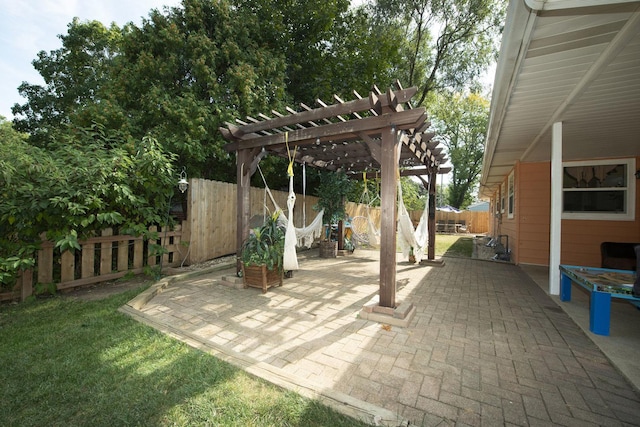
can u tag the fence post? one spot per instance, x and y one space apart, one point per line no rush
45 262
151 259
88 256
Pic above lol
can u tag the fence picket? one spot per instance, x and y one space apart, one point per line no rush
68 266
106 256
88 257
123 255
138 254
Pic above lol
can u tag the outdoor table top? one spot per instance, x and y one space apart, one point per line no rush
602 279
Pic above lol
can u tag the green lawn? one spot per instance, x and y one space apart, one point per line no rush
67 362
454 245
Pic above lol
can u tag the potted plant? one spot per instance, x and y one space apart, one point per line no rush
332 192
262 254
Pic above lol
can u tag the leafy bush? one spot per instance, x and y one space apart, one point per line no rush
88 180
265 245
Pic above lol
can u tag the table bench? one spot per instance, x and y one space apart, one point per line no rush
603 284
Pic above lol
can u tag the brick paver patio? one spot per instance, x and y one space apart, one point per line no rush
487 346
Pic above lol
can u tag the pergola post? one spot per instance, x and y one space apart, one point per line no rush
388 216
244 160
431 251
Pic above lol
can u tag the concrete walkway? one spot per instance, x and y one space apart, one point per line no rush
487 346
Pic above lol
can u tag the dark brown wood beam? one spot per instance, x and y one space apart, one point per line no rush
244 169
312 115
431 238
402 120
388 217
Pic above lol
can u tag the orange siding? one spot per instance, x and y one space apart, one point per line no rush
533 195
580 239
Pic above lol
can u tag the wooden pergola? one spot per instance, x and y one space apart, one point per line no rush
380 133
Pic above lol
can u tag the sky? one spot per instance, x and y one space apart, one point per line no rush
29 26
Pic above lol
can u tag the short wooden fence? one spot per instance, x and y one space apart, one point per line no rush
101 258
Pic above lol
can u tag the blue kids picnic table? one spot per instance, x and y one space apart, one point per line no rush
603 284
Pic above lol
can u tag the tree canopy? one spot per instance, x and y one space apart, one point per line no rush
460 120
445 44
186 70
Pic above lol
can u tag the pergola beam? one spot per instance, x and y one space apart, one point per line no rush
342 130
330 111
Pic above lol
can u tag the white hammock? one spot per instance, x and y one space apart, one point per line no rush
294 236
305 236
409 238
290 258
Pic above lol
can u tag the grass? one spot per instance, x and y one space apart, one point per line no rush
69 362
454 245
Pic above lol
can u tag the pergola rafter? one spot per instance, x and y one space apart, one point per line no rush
381 132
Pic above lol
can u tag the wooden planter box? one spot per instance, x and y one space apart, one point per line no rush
328 249
258 276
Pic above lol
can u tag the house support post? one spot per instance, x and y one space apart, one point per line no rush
555 235
388 216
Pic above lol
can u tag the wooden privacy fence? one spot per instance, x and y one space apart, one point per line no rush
211 218
101 258
475 222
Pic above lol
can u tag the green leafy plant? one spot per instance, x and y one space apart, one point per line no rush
265 245
332 192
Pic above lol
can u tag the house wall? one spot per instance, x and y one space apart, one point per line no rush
533 211
529 229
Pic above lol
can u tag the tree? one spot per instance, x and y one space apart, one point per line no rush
460 121
447 43
178 77
186 72
74 77
79 184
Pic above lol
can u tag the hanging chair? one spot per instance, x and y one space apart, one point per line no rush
364 231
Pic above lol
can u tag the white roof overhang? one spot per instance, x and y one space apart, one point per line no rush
574 61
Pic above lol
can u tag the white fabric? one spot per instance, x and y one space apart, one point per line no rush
373 232
409 238
305 236
364 231
290 259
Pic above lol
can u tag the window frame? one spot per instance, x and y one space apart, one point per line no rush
630 191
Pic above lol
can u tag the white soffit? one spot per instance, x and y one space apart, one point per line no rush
580 66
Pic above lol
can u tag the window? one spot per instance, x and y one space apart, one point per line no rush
502 196
599 190
511 190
